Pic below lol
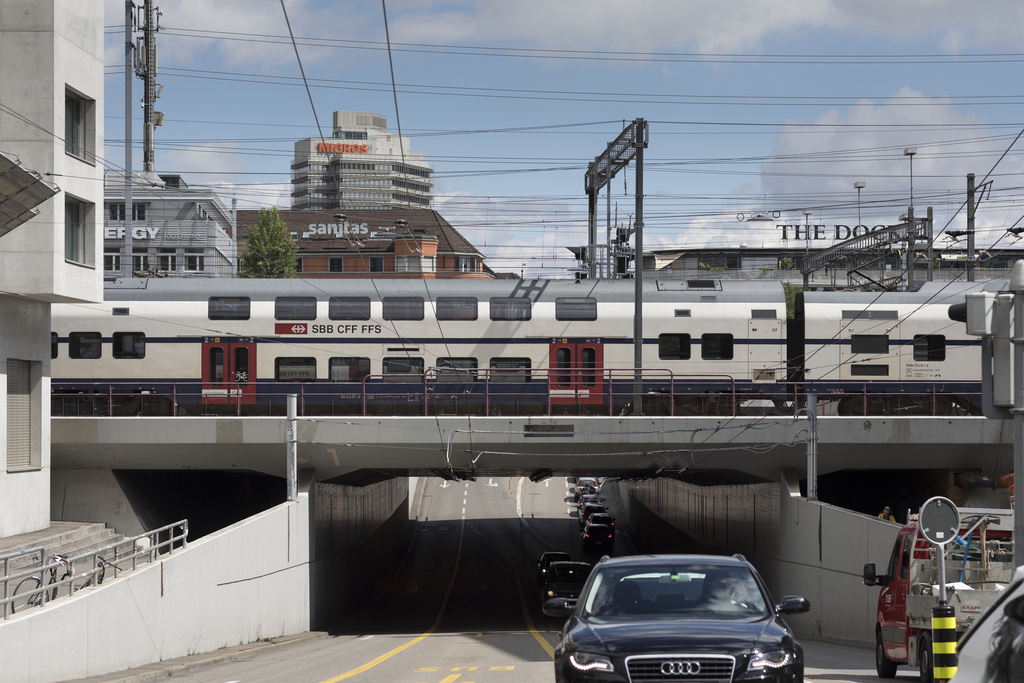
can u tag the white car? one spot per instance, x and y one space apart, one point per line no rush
992 651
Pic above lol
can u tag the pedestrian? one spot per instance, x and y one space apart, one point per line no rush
886 514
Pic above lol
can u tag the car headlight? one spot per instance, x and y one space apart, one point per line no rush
584 661
772 659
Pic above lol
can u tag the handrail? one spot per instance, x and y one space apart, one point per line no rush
75 581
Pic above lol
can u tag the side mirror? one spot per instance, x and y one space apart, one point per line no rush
558 607
794 604
869 574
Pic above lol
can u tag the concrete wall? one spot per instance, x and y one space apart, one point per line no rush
92 496
800 547
24 494
246 582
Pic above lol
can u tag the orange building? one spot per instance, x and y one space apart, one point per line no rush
414 243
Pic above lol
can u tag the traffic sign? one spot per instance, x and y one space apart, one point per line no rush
939 520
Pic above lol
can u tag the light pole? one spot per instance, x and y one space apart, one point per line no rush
910 152
860 185
807 229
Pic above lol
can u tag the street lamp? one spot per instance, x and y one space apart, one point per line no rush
807 228
860 184
910 152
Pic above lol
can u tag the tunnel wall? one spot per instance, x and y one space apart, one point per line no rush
355 536
800 547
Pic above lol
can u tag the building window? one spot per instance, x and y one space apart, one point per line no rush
403 308
295 308
575 309
674 346
510 370
929 347
117 212
870 343
23 415
168 259
140 262
349 369
53 345
510 309
403 369
336 264
78 243
465 265
376 264
194 260
129 344
112 260
456 308
348 308
295 369
228 308
718 262
716 347
85 345
298 265
79 126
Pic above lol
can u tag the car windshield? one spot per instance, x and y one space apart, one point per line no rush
680 591
568 573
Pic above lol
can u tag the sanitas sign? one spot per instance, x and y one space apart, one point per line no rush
341 148
339 229
820 232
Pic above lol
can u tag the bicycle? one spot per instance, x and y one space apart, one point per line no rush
33 583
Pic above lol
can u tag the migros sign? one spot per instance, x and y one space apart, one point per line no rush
341 148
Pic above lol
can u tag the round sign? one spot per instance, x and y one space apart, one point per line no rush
939 520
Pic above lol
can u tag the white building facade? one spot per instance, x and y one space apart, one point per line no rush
51 86
176 230
366 162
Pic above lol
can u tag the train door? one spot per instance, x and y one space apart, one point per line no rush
870 349
765 346
229 368
576 375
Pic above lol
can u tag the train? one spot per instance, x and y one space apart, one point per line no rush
178 346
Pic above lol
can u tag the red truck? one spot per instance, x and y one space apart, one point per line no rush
978 566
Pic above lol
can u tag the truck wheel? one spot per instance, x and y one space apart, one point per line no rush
885 667
925 660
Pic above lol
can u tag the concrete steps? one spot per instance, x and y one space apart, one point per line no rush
66 540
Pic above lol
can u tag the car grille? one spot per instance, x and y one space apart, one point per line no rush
680 668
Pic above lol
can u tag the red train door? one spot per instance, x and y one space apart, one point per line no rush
576 375
229 369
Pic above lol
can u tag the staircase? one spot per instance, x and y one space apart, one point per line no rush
69 539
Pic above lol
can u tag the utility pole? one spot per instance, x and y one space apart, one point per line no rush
148 67
126 263
970 227
638 273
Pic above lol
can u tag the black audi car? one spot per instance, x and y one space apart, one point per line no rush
676 619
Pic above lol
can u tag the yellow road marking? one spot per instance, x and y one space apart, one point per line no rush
433 627
450 679
529 622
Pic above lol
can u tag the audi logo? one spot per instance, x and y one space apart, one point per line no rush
680 668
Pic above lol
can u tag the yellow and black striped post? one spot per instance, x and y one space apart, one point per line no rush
943 642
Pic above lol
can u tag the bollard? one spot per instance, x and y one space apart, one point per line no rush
943 642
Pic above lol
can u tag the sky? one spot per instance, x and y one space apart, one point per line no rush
752 107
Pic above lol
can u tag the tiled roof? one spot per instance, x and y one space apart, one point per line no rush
449 240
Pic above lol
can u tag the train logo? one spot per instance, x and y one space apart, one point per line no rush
290 328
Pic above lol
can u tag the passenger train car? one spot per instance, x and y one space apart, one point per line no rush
501 347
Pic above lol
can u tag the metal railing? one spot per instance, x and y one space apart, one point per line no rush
509 392
41 572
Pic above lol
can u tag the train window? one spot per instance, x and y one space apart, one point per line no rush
682 312
588 361
85 345
229 308
349 308
349 369
869 343
763 313
129 345
674 346
216 365
510 370
295 308
456 369
403 308
403 369
862 370
510 309
241 367
295 369
870 315
575 309
456 308
563 365
929 347
716 347
53 345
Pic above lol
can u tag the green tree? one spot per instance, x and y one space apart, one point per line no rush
270 249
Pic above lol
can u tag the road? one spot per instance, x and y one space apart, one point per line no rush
464 607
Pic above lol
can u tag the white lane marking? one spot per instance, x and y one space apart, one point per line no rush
490 482
463 501
546 482
364 638
463 510
445 484
467 484
519 497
